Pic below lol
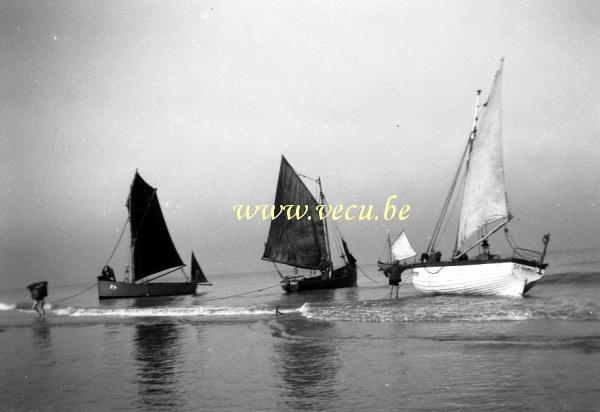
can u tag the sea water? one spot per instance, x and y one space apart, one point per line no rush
345 349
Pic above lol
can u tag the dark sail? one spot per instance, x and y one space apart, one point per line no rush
153 249
349 256
296 242
197 273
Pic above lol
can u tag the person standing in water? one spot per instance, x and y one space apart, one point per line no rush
39 291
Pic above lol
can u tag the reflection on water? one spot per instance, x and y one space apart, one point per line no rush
308 363
40 331
42 342
157 352
143 302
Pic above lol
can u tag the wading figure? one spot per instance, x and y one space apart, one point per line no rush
39 291
394 274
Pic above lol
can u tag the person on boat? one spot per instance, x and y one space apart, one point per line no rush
486 255
107 274
424 257
435 256
324 268
39 291
486 247
126 275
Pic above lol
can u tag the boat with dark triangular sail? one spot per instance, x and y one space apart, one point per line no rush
152 253
197 273
302 240
483 212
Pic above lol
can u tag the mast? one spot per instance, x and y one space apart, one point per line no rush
484 199
327 245
440 221
131 240
468 151
387 231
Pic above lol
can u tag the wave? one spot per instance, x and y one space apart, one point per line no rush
128 312
193 311
7 306
409 309
449 311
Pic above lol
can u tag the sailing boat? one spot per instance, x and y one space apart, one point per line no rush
153 254
484 211
303 242
398 250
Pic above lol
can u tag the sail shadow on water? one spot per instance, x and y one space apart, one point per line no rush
307 362
156 354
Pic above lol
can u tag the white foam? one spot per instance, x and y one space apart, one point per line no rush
7 306
171 312
304 309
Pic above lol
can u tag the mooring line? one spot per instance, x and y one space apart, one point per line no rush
239 294
77 294
367 276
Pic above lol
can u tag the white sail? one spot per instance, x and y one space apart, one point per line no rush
484 196
401 248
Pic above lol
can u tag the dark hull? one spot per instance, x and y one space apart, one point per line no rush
344 277
114 290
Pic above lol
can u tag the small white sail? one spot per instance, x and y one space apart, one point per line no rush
484 196
401 249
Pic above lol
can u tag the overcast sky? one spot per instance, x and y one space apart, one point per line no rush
203 97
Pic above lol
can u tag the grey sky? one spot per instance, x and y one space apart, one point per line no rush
203 97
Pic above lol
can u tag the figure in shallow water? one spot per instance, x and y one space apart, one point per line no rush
39 291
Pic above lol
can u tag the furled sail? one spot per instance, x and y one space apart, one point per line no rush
197 273
296 242
401 248
484 196
153 249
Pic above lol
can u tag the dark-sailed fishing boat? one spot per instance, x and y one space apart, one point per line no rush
153 254
298 237
484 211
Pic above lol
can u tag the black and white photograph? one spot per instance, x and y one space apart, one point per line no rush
265 205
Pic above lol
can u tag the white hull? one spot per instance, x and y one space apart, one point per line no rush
505 278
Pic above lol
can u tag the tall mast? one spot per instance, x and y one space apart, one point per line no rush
322 201
472 137
132 240
387 231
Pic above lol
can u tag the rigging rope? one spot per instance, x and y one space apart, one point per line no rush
106 263
367 276
240 294
440 221
118 242
517 250
77 294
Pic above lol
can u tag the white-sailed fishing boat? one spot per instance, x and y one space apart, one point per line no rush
397 251
484 211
